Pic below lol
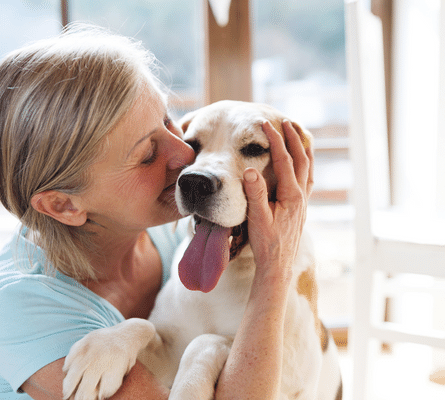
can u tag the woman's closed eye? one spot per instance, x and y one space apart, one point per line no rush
151 154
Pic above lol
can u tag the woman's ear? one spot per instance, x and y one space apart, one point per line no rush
60 206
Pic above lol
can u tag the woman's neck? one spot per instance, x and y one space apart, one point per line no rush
129 274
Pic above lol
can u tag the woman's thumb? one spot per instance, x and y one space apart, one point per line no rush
256 193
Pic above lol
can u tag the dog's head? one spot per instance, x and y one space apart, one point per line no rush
227 137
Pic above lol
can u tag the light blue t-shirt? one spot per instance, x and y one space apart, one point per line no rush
42 316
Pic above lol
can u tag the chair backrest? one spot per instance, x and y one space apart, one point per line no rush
369 139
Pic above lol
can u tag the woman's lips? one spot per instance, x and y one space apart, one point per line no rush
168 194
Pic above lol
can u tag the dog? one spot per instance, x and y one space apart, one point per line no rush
189 334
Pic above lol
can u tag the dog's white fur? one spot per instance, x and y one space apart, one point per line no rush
194 330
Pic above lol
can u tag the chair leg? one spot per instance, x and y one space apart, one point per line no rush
361 332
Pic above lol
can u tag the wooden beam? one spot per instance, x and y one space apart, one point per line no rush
64 12
228 55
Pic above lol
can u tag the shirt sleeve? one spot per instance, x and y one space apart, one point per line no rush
40 319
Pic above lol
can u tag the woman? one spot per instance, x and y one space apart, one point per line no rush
89 160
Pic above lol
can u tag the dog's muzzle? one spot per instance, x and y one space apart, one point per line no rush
213 245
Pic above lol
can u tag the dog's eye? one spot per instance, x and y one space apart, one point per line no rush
253 150
195 145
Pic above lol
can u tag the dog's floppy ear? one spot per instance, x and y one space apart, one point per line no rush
184 122
305 135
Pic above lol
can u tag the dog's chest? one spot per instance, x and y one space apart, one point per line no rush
221 310
302 352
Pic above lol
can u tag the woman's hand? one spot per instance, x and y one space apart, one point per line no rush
254 366
275 227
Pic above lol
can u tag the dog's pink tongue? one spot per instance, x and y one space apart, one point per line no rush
206 257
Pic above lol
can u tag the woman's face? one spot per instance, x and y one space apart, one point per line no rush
133 182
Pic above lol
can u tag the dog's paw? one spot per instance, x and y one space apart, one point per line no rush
97 364
200 366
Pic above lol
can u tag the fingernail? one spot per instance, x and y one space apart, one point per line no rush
265 122
250 176
287 123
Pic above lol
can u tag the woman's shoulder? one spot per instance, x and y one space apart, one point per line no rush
42 315
13 259
21 260
25 280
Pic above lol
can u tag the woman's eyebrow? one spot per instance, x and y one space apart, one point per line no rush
140 141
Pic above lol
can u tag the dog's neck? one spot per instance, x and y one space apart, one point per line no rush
240 271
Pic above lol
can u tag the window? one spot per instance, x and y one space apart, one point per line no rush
299 46
299 67
27 20
171 29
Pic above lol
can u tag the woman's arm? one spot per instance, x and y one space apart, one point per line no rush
253 369
47 383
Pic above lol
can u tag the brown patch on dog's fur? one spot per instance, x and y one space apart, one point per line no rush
307 287
324 338
304 136
276 123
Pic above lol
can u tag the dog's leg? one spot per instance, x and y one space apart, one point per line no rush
97 364
200 367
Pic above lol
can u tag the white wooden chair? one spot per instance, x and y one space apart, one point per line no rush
388 241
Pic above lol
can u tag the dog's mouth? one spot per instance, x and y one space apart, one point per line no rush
239 239
209 252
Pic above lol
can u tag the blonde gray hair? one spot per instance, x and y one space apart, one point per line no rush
58 100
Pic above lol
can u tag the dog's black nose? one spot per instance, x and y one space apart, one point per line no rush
196 186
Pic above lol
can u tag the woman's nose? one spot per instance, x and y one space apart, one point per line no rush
181 154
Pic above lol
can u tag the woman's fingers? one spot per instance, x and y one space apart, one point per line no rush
256 193
290 159
299 145
282 164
